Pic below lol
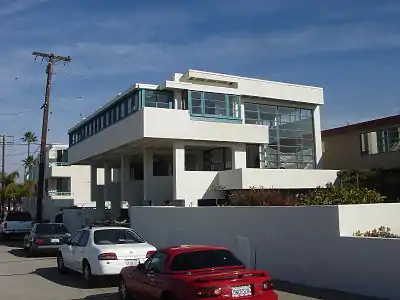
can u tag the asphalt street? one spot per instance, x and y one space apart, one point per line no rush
37 279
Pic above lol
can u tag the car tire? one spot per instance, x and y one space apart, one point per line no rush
123 291
60 264
168 296
31 251
87 272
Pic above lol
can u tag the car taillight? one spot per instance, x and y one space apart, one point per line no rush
39 241
208 292
267 285
108 256
150 253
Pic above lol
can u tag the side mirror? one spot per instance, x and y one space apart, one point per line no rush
140 267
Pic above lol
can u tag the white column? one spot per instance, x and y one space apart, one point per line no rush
239 156
125 165
147 176
107 182
317 138
179 169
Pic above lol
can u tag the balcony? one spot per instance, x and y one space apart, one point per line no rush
54 194
58 169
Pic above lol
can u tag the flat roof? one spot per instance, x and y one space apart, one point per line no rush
365 126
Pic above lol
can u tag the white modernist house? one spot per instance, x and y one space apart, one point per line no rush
178 140
65 185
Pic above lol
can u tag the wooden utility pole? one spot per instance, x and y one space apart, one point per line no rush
51 59
3 164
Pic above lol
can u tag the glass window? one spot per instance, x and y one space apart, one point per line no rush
122 108
18 216
129 105
204 259
252 156
76 237
380 141
196 103
217 159
162 165
116 108
84 239
116 236
215 104
156 263
291 134
135 102
156 99
51 228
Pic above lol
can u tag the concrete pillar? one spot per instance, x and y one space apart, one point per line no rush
125 168
147 176
239 156
107 182
317 138
179 169
94 195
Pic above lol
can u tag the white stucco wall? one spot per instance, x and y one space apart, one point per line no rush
298 244
276 178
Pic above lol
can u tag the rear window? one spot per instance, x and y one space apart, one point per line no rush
51 229
204 259
116 236
19 216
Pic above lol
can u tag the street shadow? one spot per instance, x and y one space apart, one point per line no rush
25 254
317 293
73 279
12 242
107 296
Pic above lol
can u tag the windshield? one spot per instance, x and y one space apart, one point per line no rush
19 216
204 259
51 229
116 236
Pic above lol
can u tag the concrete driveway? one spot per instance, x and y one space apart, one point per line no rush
37 279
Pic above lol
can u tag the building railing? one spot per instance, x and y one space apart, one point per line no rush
58 193
60 163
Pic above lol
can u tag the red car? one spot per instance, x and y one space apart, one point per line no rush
194 272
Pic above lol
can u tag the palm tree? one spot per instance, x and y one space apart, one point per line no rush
29 137
28 164
8 187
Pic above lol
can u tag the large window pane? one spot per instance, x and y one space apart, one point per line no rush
291 134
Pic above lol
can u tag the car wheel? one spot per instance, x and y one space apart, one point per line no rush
31 251
123 291
60 264
87 272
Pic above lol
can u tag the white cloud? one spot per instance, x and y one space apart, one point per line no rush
14 6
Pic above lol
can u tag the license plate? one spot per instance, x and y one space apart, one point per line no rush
241 291
55 240
131 262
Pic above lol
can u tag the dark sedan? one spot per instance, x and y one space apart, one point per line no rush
46 237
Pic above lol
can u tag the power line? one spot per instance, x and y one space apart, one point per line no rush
51 59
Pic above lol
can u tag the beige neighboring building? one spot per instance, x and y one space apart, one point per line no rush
373 144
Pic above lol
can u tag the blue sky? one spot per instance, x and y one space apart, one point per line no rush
351 48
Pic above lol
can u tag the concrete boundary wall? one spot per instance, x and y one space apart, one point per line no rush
299 244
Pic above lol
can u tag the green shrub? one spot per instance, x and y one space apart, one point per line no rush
333 195
381 232
258 196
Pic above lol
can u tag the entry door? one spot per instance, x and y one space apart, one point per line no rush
79 250
68 253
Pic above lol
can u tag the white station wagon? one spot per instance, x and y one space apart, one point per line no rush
100 251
